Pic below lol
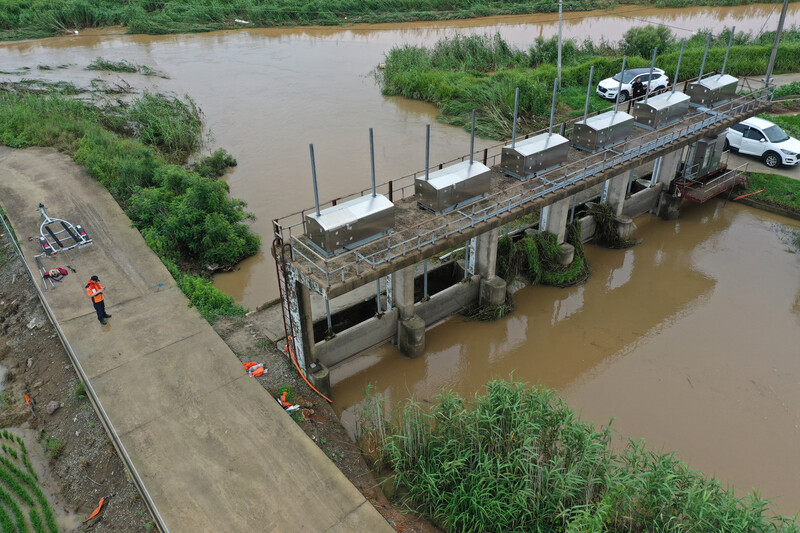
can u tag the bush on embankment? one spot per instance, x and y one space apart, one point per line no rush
186 218
517 458
480 72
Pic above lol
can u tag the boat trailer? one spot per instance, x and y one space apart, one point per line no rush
57 235
75 237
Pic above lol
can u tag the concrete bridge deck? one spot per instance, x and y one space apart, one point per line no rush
420 234
213 450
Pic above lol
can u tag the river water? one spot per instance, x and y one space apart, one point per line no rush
268 93
690 340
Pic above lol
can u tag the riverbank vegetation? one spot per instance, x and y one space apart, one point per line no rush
518 458
536 258
779 191
23 505
30 19
463 73
138 151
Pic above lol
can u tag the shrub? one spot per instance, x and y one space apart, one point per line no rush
215 165
210 302
183 216
641 41
790 89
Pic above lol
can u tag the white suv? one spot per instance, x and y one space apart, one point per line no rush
608 87
761 138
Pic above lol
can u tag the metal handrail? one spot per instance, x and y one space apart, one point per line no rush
95 401
395 185
423 234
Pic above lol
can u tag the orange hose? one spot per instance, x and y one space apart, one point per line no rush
289 342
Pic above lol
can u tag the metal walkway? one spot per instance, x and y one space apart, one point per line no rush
421 234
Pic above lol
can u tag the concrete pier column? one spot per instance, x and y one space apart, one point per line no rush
669 207
493 288
486 253
667 168
614 192
557 215
410 327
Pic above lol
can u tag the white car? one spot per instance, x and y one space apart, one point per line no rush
761 138
608 87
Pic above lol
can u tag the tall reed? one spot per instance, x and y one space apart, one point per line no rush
517 458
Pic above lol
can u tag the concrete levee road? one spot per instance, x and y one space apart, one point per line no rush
213 449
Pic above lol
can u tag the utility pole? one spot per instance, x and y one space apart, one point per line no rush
560 6
774 53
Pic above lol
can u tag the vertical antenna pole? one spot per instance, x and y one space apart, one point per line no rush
472 140
619 88
728 51
372 161
560 22
588 95
678 67
705 54
553 107
774 53
314 177
514 126
652 66
427 149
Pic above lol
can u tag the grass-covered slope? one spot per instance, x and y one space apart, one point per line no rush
138 152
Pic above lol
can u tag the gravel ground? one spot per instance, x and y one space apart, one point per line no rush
85 467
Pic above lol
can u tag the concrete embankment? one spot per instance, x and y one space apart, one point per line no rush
213 449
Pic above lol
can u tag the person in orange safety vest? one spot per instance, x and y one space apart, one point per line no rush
95 292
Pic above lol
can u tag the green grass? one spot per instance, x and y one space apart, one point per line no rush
138 151
27 19
78 391
460 74
789 123
20 491
779 190
790 89
536 257
112 66
517 458
122 66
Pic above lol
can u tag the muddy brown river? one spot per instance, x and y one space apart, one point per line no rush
690 340
268 93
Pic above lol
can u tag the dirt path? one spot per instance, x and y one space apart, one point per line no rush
214 450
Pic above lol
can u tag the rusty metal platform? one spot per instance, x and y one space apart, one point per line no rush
703 191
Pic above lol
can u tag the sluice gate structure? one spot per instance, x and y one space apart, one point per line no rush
392 261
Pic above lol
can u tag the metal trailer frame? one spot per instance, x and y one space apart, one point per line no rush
75 233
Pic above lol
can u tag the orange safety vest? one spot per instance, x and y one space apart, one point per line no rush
91 290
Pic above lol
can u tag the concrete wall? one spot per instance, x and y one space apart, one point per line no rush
588 228
642 202
376 331
361 337
449 301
